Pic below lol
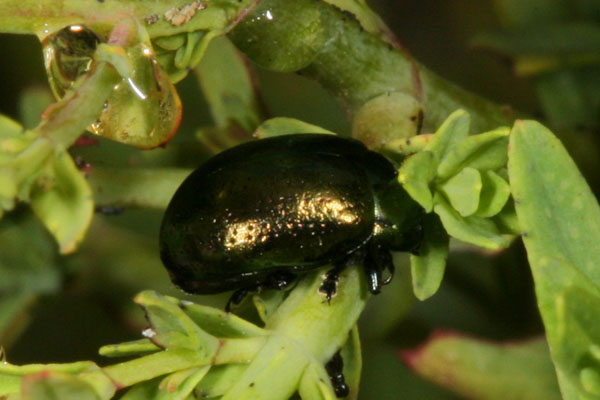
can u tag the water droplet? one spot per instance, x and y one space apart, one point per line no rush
144 110
68 56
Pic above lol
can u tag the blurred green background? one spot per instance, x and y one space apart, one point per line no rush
55 308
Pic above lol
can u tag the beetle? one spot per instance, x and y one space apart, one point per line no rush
261 213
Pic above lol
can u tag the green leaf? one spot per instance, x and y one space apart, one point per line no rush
484 151
475 230
495 192
56 386
142 391
578 337
13 377
227 85
280 357
218 322
267 302
557 211
171 328
287 126
9 127
66 207
179 385
219 380
315 384
560 220
115 56
415 175
463 190
479 369
352 358
507 220
427 268
32 102
136 347
454 130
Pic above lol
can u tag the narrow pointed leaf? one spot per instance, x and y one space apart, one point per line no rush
56 386
179 385
287 126
267 302
218 322
352 357
219 380
427 268
137 347
315 384
171 328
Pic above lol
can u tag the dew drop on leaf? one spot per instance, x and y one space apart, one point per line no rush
144 109
68 55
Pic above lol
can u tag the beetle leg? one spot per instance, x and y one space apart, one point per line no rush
335 370
329 285
373 270
373 278
388 263
378 259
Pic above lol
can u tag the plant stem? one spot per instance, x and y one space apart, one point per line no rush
66 119
306 330
322 328
353 64
42 17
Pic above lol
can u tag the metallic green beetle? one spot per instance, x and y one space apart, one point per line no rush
259 214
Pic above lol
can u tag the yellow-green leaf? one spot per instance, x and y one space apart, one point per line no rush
482 370
453 131
416 174
463 190
287 126
484 151
475 230
427 268
495 192
560 219
66 208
